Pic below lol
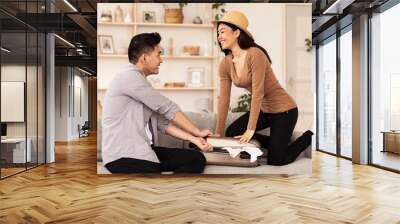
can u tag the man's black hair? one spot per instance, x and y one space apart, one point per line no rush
142 43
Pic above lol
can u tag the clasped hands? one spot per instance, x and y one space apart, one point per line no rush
199 140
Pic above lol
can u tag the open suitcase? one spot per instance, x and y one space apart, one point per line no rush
221 156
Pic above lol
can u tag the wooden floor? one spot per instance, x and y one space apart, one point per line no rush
10 171
387 159
70 191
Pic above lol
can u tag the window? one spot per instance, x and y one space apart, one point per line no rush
346 93
22 77
385 87
327 96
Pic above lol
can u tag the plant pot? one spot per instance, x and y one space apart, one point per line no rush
173 15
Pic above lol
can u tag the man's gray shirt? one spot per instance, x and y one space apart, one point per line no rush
129 104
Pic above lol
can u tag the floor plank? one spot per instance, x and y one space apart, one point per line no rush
70 191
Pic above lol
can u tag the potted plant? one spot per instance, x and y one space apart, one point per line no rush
174 15
243 103
219 10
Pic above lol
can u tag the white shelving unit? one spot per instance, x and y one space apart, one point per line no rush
163 57
174 67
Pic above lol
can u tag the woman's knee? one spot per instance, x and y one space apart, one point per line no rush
238 127
234 130
230 131
277 154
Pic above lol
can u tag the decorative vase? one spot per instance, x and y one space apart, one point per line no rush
197 20
171 46
119 15
128 18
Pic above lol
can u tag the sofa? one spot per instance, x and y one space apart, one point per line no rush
302 165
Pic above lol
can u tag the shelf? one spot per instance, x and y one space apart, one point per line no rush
176 89
183 25
185 88
125 56
115 24
187 57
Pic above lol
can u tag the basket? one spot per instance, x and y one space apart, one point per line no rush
173 16
192 50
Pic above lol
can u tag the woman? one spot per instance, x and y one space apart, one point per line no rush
248 66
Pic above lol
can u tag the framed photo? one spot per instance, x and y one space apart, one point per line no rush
106 44
196 77
149 16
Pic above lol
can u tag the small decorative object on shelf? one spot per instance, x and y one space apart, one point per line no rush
128 18
106 16
171 46
192 50
106 44
149 17
197 20
196 77
174 85
174 15
119 14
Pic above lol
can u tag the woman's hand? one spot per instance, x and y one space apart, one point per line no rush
204 133
202 144
216 135
246 137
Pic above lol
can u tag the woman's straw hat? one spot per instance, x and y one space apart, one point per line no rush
238 19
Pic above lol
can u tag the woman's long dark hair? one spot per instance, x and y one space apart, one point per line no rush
244 41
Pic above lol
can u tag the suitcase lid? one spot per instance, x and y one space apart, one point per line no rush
231 142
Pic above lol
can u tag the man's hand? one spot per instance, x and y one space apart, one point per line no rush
202 144
204 133
246 137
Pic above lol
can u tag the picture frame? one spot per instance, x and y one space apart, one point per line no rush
149 16
106 44
196 77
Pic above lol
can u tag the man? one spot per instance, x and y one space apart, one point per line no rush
134 111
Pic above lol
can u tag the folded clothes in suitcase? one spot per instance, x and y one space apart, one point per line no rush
222 157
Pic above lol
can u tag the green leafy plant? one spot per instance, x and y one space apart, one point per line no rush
182 4
173 5
244 102
219 10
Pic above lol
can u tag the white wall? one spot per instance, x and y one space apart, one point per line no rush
298 64
266 24
68 81
17 73
33 126
61 103
80 84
